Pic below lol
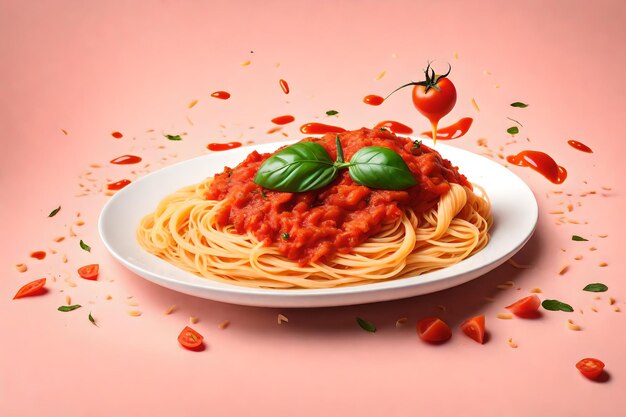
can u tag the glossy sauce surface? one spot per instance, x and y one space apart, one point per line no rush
38 254
395 127
223 146
118 185
283 120
320 129
373 100
579 146
284 86
540 162
223 95
453 131
126 160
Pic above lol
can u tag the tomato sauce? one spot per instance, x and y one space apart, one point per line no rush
579 145
339 216
540 162
320 129
117 135
373 100
395 127
284 86
283 120
454 131
223 95
223 146
118 185
126 160
38 255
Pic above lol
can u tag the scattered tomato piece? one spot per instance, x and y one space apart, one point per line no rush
89 271
527 307
474 327
590 367
433 330
30 289
190 339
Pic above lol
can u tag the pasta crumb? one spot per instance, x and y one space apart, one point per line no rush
504 316
572 326
611 301
401 322
21 267
134 313
603 264
280 319
170 309
511 343
224 324
564 269
193 319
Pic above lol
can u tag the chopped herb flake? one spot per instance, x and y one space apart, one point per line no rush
173 137
65 309
513 130
85 246
366 325
332 112
579 239
556 305
416 144
54 212
285 236
596 287
519 104
263 194
92 320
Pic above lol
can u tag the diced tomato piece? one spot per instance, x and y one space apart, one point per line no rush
190 339
590 367
433 330
527 307
475 328
32 288
89 271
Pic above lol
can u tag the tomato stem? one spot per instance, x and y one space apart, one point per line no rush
431 80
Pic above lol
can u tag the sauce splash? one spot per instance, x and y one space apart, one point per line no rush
126 160
118 185
223 95
373 100
540 162
117 135
454 131
395 127
283 120
223 146
38 254
579 146
320 128
284 86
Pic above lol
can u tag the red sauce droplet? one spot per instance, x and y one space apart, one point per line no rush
540 162
320 128
454 131
283 120
221 95
284 86
126 160
373 100
223 146
117 135
38 254
580 146
395 127
118 185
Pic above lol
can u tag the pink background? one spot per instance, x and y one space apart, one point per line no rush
91 68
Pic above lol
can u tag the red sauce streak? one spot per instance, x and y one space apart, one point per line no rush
284 86
223 146
118 185
454 131
221 95
540 162
38 254
117 135
283 120
126 160
333 219
373 100
580 146
395 127
320 129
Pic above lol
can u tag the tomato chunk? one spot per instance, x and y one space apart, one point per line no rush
474 327
433 330
89 271
527 307
590 367
190 339
30 289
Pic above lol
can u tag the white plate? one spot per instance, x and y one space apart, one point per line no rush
513 203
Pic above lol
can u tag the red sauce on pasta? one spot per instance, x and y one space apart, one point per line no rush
315 225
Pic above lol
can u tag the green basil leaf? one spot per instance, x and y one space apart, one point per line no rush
366 325
85 246
54 212
556 305
579 239
514 130
304 166
65 309
596 287
379 167
519 104
174 137
332 112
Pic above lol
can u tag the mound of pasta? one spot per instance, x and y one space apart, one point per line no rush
231 229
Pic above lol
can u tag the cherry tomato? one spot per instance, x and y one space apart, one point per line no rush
526 307
190 339
475 328
30 289
433 330
590 367
89 271
436 101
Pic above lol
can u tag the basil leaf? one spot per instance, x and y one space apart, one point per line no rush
514 130
366 325
54 212
596 287
519 104
304 166
378 167
65 309
579 239
556 305
85 246
332 112
173 137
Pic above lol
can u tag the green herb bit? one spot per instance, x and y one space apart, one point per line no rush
416 144
65 309
54 212
263 195
513 130
92 320
285 236
366 325
332 112
173 137
556 305
519 104
596 287
85 246
579 239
